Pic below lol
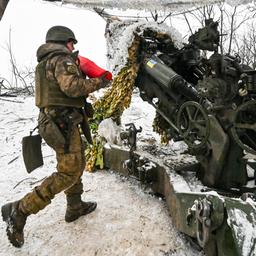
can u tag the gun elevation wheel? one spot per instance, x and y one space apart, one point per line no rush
193 124
244 126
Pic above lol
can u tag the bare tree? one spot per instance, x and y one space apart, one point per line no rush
159 17
230 20
201 14
22 79
247 46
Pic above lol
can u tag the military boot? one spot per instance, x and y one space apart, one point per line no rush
15 220
76 207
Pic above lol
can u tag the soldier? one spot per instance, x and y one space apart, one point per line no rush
61 90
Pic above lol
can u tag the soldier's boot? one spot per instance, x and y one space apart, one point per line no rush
15 220
77 208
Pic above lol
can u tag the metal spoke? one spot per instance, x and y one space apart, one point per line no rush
245 126
196 112
189 114
193 124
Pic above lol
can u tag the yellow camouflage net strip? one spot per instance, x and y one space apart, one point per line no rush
112 104
161 127
94 155
115 101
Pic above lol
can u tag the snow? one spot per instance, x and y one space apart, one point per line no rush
127 221
122 35
109 130
32 20
27 30
240 223
139 5
150 5
142 115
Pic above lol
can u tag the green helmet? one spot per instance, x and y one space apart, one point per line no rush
60 34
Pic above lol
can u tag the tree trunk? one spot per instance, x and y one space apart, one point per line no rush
3 4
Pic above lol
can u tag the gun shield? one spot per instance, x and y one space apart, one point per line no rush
32 152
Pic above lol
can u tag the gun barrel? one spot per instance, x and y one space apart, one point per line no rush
161 73
168 79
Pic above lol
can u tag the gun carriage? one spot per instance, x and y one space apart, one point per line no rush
209 103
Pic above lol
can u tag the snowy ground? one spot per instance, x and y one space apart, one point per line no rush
128 220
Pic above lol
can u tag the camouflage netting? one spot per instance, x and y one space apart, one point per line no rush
150 5
112 104
124 40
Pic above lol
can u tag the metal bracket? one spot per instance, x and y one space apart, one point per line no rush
137 166
203 221
130 135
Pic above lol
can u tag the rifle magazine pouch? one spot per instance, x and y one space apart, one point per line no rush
32 152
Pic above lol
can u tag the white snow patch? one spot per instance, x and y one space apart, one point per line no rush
142 115
120 35
109 130
151 5
127 221
245 232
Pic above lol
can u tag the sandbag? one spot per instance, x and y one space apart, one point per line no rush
32 152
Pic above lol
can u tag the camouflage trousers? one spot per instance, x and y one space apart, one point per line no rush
70 167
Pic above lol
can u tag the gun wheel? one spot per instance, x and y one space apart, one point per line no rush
193 124
244 126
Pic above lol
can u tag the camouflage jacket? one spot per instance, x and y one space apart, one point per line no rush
62 67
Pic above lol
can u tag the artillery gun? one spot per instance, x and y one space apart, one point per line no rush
210 104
